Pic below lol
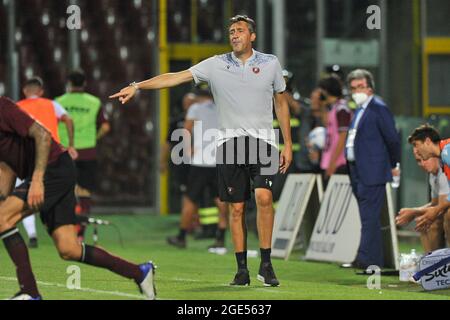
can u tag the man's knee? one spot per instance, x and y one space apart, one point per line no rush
237 211
70 253
264 199
4 224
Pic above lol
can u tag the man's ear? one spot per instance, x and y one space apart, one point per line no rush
253 37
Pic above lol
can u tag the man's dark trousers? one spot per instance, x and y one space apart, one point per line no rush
370 202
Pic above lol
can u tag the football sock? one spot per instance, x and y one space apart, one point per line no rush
18 251
265 255
241 258
182 234
100 258
221 234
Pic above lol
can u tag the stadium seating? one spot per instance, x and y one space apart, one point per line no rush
115 49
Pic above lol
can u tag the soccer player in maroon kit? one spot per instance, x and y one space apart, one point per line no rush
27 151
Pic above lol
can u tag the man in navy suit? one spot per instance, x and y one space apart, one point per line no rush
373 151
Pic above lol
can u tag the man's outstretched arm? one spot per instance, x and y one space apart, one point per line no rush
163 81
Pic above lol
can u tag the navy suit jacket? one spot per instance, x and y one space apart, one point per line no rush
377 144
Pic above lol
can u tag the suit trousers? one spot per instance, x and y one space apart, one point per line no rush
370 202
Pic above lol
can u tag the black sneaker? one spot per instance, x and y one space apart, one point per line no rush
267 275
242 278
177 242
33 244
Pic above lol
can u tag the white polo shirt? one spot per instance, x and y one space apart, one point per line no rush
243 93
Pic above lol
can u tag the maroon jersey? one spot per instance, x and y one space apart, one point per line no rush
17 149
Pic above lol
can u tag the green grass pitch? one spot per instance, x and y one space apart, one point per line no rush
195 274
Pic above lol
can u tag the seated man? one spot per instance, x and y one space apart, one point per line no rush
427 141
433 238
27 151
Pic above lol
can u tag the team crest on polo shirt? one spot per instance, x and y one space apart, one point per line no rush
256 70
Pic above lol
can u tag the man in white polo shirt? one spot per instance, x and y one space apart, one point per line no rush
245 84
201 122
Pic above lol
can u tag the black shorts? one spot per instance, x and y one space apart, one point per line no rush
179 175
59 194
199 179
238 167
86 174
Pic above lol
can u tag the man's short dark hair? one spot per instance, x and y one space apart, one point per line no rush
250 22
362 74
77 78
424 132
333 85
34 82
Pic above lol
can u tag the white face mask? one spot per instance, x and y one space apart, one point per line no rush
360 98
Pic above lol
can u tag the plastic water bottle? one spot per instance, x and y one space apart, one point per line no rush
409 266
405 265
415 258
396 179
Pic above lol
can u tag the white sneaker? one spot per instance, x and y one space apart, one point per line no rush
218 251
147 286
25 297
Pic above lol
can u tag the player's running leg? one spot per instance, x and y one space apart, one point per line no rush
65 239
11 212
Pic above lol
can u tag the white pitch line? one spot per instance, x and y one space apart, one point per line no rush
112 293
185 280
